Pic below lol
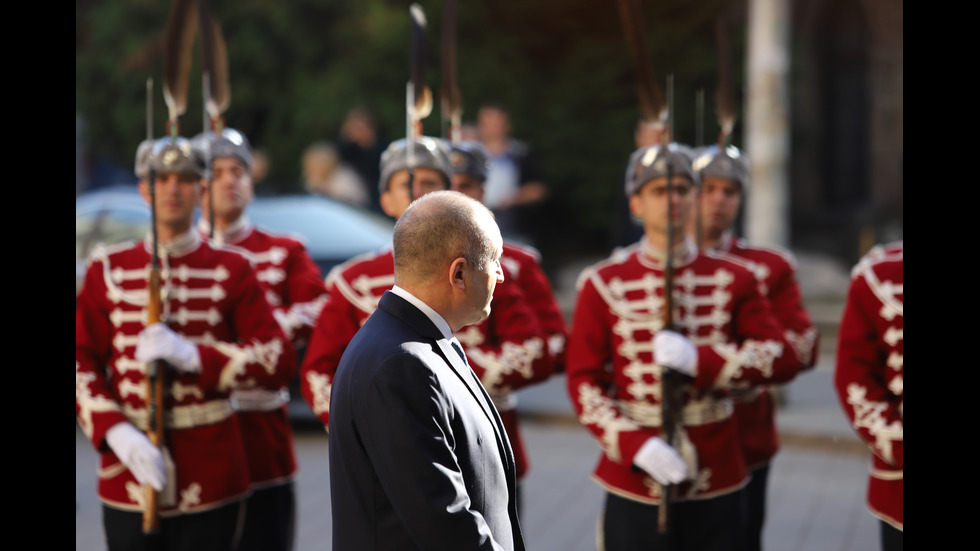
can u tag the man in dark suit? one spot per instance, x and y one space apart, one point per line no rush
418 455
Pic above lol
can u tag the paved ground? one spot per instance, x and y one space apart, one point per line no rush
816 491
816 495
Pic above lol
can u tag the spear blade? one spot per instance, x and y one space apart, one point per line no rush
177 58
653 109
422 104
214 60
725 96
451 100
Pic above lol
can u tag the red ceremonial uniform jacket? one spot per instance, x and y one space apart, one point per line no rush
507 350
211 297
869 374
755 409
614 381
353 290
294 288
523 264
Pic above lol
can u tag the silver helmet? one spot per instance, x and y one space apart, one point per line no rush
728 163
469 159
429 153
229 143
176 155
142 168
651 162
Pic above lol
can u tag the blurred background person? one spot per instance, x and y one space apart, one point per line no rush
360 145
260 172
514 183
324 173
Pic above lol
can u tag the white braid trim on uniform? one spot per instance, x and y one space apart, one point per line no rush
885 291
259 399
183 417
700 412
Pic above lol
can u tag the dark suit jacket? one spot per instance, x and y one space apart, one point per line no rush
418 455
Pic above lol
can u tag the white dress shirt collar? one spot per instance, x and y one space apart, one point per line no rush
434 316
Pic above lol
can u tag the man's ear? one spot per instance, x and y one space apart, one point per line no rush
144 188
456 273
636 208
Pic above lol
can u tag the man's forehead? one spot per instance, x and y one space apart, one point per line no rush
225 162
163 175
420 172
662 181
720 182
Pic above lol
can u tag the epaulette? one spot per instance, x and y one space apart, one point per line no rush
782 252
618 256
525 248
882 252
339 269
297 237
102 252
247 254
729 257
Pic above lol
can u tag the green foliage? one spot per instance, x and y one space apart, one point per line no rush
298 66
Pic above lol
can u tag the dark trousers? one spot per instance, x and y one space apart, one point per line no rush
754 508
270 519
702 525
892 539
214 530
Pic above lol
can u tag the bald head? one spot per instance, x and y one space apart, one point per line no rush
438 228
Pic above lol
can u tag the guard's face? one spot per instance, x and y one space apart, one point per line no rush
720 200
177 195
469 186
396 198
231 188
650 204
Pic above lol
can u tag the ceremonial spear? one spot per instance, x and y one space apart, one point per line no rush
654 111
178 41
418 96
451 100
724 97
215 87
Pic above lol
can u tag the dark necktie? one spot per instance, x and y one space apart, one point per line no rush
460 352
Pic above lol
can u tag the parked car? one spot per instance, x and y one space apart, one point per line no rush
333 231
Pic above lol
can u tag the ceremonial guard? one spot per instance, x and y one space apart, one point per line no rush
294 289
522 342
507 350
869 379
723 174
356 286
217 334
660 336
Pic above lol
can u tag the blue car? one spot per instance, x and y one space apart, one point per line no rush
332 230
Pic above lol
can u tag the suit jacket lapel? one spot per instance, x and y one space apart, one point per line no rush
408 313
471 381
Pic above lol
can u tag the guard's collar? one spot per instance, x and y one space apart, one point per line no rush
684 252
181 245
233 233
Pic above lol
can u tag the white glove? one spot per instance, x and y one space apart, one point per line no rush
159 342
661 461
673 350
136 451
